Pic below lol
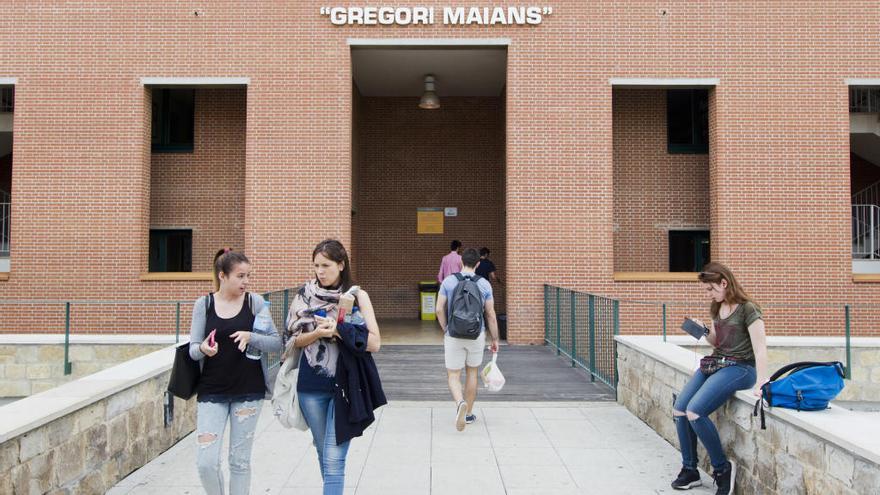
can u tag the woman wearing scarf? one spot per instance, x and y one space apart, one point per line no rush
318 390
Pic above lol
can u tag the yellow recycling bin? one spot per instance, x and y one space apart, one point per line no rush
428 299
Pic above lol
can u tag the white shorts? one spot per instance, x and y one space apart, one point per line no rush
459 352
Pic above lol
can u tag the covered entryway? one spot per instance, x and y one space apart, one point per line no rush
444 165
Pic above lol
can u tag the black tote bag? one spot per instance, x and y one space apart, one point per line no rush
184 374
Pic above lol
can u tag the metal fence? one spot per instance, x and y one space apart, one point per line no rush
866 232
582 327
836 320
119 318
4 228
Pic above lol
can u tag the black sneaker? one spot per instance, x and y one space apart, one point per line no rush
470 418
725 479
687 479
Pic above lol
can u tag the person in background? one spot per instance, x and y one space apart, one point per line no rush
328 401
738 361
231 384
451 263
486 268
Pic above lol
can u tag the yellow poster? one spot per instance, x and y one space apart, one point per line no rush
430 222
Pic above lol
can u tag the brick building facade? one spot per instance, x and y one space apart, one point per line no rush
565 174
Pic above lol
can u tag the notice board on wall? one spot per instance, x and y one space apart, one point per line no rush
429 221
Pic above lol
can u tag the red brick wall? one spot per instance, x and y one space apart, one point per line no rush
407 158
204 190
654 191
779 168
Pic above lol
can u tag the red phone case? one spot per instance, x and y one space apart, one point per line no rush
211 340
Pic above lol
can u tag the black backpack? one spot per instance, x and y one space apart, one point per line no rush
466 317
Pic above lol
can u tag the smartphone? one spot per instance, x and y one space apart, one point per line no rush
696 330
211 338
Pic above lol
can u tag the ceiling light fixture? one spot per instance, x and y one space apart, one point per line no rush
429 100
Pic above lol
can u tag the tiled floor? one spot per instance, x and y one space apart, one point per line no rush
410 331
413 448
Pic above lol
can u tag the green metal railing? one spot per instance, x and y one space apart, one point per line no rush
837 318
582 327
126 317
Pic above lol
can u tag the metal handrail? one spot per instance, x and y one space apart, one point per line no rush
5 209
865 231
578 337
582 327
280 303
868 196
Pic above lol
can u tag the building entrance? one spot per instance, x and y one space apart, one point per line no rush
428 165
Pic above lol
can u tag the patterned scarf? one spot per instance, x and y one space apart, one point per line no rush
322 353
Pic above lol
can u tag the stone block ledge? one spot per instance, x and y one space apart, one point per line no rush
39 409
848 430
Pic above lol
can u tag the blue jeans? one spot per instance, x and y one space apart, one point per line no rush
211 420
701 396
319 411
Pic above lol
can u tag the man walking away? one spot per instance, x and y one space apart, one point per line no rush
451 263
464 309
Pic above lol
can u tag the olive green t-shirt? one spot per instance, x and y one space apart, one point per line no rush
732 337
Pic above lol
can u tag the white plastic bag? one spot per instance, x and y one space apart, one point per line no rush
492 377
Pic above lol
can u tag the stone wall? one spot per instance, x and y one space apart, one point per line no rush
864 385
799 453
27 369
90 447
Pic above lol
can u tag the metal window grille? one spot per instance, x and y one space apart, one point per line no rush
7 100
4 228
864 100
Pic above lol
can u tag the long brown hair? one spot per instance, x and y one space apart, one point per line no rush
714 273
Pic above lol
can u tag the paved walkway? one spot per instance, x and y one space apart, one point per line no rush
553 448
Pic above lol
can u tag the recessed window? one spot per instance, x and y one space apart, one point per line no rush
173 122
687 121
170 250
688 250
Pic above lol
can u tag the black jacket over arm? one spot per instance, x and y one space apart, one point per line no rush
358 388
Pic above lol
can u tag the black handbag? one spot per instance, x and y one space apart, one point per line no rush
184 374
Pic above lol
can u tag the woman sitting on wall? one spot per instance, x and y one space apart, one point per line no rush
232 384
737 336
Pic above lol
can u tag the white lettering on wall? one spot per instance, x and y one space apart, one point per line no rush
453 16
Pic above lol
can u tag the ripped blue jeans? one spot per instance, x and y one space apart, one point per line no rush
701 396
211 422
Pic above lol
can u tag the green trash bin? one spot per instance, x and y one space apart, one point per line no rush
428 299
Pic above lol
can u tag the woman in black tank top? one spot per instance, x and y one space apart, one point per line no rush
232 385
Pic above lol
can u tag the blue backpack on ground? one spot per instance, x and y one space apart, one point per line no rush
809 386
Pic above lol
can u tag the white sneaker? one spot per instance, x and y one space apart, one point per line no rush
460 414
